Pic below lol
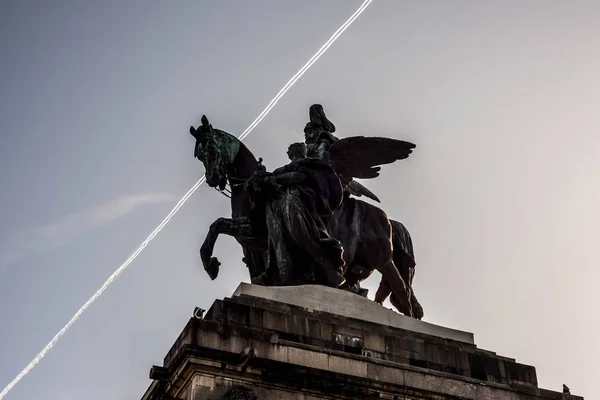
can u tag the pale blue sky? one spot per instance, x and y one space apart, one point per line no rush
501 195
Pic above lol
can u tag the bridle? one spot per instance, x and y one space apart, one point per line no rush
227 191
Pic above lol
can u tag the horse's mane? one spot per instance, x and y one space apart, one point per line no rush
243 161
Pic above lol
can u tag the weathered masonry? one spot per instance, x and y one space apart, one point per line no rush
314 342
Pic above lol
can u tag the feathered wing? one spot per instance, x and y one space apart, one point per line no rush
361 156
358 190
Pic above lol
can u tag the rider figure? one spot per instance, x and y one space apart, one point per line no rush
319 191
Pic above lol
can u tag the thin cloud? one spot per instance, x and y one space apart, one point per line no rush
46 237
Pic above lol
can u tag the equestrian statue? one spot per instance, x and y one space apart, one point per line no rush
300 223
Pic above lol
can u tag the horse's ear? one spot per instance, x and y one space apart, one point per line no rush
193 132
207 126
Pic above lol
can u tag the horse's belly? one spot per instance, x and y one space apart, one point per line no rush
346 225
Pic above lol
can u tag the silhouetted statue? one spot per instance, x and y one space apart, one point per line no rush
297 196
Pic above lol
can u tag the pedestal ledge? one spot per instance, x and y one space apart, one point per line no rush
320 343
349 305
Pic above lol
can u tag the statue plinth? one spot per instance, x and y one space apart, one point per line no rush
314 342
318 298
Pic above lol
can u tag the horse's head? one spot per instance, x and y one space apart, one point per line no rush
217 150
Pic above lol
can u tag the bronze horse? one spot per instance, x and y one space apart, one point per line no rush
370 240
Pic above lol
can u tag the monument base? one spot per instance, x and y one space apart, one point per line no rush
313 342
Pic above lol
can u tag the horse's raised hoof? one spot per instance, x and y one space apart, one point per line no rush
213 268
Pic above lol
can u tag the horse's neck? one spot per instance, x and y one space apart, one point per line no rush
243 164
241 169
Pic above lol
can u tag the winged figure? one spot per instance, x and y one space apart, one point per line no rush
357 157
295 232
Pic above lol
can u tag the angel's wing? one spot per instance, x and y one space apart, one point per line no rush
356 189
360 156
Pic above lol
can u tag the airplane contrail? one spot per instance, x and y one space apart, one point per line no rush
181 202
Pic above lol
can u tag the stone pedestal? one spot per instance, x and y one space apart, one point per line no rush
314 342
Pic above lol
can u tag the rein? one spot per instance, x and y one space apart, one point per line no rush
240 180
227 191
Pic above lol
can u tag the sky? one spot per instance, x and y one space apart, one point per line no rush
501 195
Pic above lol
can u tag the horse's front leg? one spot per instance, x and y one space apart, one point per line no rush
235 227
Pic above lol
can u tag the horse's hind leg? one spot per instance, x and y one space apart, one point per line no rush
383 291
416 306
399 289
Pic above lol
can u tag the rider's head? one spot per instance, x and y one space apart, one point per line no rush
296 151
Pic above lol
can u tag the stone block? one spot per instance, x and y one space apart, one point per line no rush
307 358
374 342
384 373
344 330
326 332
347 366
314 328
272 351
440 385
520 373
273 321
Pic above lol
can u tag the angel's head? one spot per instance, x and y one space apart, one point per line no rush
318 124
297 151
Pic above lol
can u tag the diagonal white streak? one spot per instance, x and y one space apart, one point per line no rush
190 192
306 66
